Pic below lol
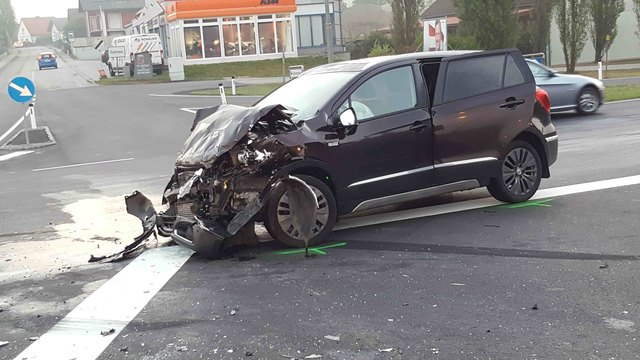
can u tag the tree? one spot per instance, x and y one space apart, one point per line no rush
405 24
78 27
572 17
8 25
636 10
604 23
493 24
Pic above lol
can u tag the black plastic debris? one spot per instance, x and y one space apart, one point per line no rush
248 353
604 266
108 332
124 349
534 307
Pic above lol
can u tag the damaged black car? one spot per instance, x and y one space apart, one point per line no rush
352 136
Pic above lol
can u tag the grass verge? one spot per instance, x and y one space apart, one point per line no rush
612 74
260 68
248 90
615 93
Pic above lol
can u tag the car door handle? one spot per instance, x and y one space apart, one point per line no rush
419 125
512 103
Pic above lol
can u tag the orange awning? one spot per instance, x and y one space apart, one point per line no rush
197 9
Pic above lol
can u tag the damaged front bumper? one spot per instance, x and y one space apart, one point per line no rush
212 237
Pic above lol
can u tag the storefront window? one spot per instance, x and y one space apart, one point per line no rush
267 38
193 43
231 43
211 41
284 36
248 36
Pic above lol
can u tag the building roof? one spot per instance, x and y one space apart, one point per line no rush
91 5
37 26
442 8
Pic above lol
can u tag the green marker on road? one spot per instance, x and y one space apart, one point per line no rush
540 203
314 250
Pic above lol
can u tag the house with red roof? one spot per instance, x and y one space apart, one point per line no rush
33 28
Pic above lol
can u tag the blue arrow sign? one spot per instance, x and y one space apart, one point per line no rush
21 89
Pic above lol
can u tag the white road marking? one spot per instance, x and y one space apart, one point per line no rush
113 306
190 110
12 128
84 164
202 96
482 203
14 155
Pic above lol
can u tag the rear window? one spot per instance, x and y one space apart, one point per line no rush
46 56
475 76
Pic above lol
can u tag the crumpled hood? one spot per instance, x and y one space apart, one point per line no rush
217 129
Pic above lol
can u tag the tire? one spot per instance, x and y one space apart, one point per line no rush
588 101
519 174
276 213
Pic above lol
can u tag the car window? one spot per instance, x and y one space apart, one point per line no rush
537 70
45 56
305 95
385 93
470 77
512 74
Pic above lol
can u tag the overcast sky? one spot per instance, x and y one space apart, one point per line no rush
33 8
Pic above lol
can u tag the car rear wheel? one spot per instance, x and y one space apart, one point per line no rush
588 101
277 218
519 174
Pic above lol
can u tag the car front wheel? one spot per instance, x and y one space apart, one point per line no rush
277 216
519 176
588 101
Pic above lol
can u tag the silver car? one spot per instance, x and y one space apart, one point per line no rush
568 92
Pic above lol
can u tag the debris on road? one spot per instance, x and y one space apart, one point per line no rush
181 348
534 307
124 349
108 332
604 266
248 353
34 338
458 284
386 350
4 343
314 356
331 337
233 312
390 320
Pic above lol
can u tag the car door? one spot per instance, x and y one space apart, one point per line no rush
478 99
390 150
562 92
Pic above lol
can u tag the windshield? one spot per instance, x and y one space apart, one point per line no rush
305 95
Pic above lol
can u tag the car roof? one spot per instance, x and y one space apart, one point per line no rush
46 53
365 63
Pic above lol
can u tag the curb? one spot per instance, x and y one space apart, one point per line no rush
51 141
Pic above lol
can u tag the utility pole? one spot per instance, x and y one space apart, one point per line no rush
328 36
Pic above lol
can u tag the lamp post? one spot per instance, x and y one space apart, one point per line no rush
328 31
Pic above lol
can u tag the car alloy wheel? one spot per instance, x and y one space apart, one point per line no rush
589 102
277 216
284 216
520 172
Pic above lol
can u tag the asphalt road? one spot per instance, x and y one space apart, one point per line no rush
553 280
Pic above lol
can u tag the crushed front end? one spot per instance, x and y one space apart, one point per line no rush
229 165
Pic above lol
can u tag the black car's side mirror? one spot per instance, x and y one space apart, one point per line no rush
347 118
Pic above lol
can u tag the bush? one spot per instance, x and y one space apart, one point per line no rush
462 42
361 48
380 50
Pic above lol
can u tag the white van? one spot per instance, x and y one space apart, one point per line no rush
123 49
